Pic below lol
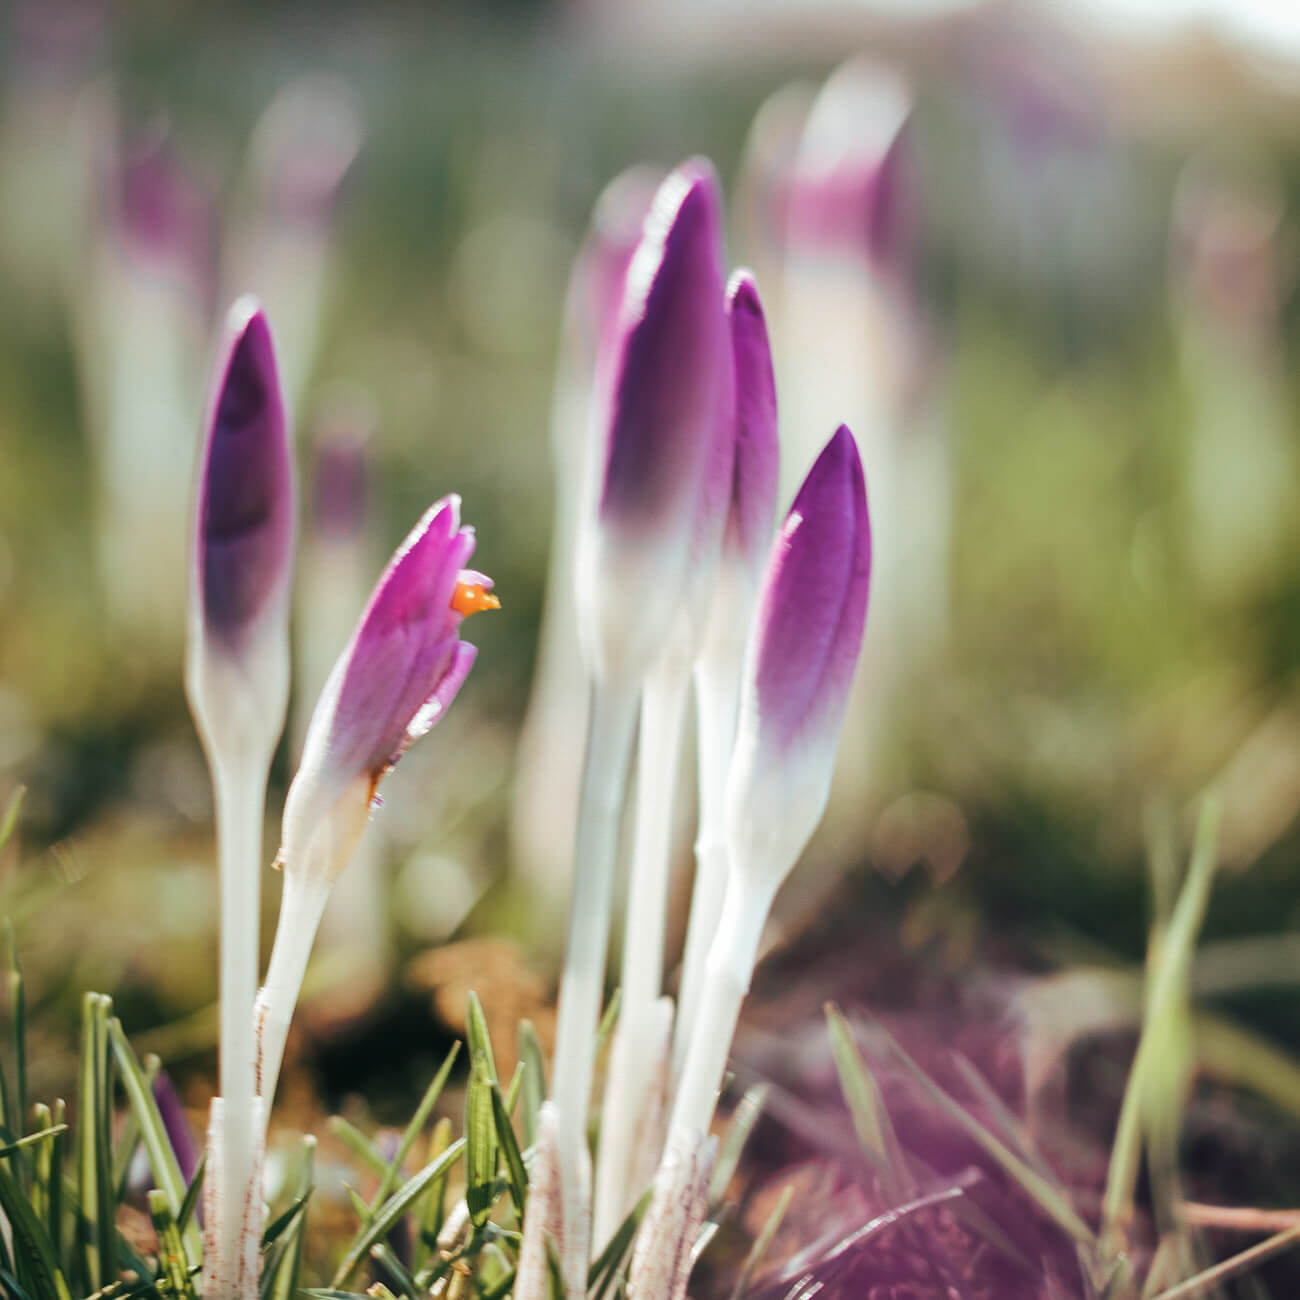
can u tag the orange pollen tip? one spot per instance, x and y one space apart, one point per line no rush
471 597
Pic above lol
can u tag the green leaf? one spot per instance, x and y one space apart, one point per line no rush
608 1020
481 1143
384 1256
534 1085
37 1268
94 1153
871 1121
1052 1200
476 1032
515 1172
740 1126
433 1205
607 1265
32 1139
9 818
396 1206
281 1272
414 1128
282 1222
762 1242
18 1011
153 1133
192 1194
171 1249
357 1142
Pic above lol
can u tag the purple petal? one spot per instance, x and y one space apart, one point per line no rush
404 648
462 660
814 602
665 378
245 532
754 469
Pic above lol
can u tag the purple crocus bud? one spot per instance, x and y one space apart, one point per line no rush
179 1133
238 664
659 393
394 680
799 666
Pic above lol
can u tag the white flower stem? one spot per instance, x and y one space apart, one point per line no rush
729 968
609 744
301 906
717 696
631 1074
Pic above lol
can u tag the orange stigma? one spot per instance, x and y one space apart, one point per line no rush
470 597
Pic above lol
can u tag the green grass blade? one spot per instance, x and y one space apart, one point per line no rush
17 1123
481 1152
398 1273
58 1145
171 1249
606 1266
608 1021
185 1214
37 1270
36 1138
476 1033
286 1271
9 818
762 1242
284 1221
360 1145
534 1084
396 1206
153 1133
415 1127
741 1125
433 1205
516 1175
1051 1199
94 1170
871 1121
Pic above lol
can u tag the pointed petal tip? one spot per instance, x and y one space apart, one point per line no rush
742 291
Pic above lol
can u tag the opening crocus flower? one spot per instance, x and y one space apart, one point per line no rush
394 680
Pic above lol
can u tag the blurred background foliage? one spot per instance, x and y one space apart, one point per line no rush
1093 664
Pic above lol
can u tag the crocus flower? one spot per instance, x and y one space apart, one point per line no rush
799 666
657 403
662 1259
237 678
658 392
402 668
746 540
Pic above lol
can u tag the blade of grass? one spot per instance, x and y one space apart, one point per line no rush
186 1213
153 1133
762 1242
1229 1268
608 1021
739 1127
287 1269
433 1206
37 1269
171 1250
476 1034
42 1135
1052 1200
608 1264
18 1037
1153 1081
398 1273
414 1128
534 1086
9 818
871 1121
357 1142
396 1206
509 1145
94 1173
480 1143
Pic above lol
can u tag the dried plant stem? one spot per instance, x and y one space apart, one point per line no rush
717 699
240 788
630 1078
727 975
610 729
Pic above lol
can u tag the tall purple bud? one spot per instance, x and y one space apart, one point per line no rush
237 679
656 407
238 671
